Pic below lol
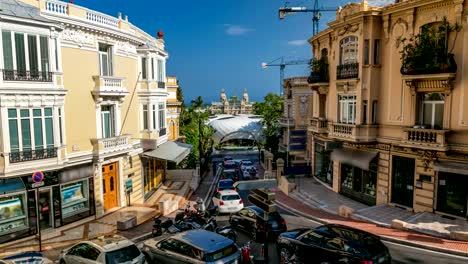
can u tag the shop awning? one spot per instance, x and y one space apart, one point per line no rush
451 167
171 151
10 185
353 157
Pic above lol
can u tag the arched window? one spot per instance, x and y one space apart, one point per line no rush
324 54
349 50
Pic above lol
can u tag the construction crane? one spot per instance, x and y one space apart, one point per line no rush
282 64
285 10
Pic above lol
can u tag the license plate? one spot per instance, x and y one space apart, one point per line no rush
231 208
382 259
274 225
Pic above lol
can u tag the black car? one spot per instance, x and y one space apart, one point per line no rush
230 174
332 244
250 219
226 184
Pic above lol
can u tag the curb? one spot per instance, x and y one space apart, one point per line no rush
384 238
143 237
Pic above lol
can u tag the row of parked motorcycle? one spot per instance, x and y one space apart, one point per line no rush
193 219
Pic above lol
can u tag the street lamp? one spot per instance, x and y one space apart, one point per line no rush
199 137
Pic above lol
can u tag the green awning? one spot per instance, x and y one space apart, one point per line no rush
171 151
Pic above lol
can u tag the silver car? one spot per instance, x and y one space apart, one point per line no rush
193 246
108 249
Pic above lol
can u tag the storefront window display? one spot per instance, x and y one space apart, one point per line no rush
359 184
153 175
74 198
13 213
322 164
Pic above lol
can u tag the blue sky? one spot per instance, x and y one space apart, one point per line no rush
215 44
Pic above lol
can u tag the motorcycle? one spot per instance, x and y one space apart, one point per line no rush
227 231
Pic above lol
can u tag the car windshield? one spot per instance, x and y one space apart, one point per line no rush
247 163
230 197
229 166
122 255
217 255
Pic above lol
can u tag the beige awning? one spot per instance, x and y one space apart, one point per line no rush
171 151
451 167
354 157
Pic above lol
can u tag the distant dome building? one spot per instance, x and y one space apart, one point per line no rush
232 106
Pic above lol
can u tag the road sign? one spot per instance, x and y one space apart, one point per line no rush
264 194
37 176
255 184
262 204
37 184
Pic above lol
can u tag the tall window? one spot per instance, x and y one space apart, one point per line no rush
152 68
366 52
26 125
364 112
33 55
154 112
377 51
162 115
143 68
108 121
374 112
431 110
160 71
349 50
145 116
105 60
347 104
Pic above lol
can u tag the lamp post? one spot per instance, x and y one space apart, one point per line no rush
199 138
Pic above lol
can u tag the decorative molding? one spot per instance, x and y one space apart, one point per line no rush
399 28
348 28
78 36
427 157
443 82
31 100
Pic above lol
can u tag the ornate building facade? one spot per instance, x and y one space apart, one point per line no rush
232 105
173 106
75 141
383 131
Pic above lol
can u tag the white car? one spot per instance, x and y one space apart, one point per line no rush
106 249
228 201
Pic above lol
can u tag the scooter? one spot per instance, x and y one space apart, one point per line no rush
246 253
227 231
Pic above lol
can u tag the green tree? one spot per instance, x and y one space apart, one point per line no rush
193 126
271 109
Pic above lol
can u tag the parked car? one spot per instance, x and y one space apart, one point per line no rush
228 201
227 158
194 246
332 244
107 249
26 257
230 174
245 164
230 165
226 184
250 219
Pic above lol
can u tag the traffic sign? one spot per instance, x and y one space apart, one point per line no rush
38 176
37 184
255 184
264 194
261 203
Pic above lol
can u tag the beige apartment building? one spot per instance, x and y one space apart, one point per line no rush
173 106
83 100
382 131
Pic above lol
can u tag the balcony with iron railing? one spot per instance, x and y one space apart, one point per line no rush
425 138
103 147
320 72
32 154
318 125
347 71
353 132
27 76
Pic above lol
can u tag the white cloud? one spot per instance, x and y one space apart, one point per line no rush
380 2
297 42
237 30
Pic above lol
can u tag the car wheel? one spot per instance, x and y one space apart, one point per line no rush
62 261
147 258
285 256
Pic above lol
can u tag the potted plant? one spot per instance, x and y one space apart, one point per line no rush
428 52
319 70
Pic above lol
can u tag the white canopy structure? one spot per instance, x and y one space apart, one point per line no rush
228 127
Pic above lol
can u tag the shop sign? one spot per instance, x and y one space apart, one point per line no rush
129 186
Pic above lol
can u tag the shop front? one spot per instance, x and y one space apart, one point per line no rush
323 168
452 191
153 175
64 197
358 174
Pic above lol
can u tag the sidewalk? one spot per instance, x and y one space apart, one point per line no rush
323 207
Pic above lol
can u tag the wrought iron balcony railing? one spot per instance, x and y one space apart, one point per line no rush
27 76
33 154
161 85
347 71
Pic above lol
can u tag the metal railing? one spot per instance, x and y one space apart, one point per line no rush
347 71
32 154
161 85
28 76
